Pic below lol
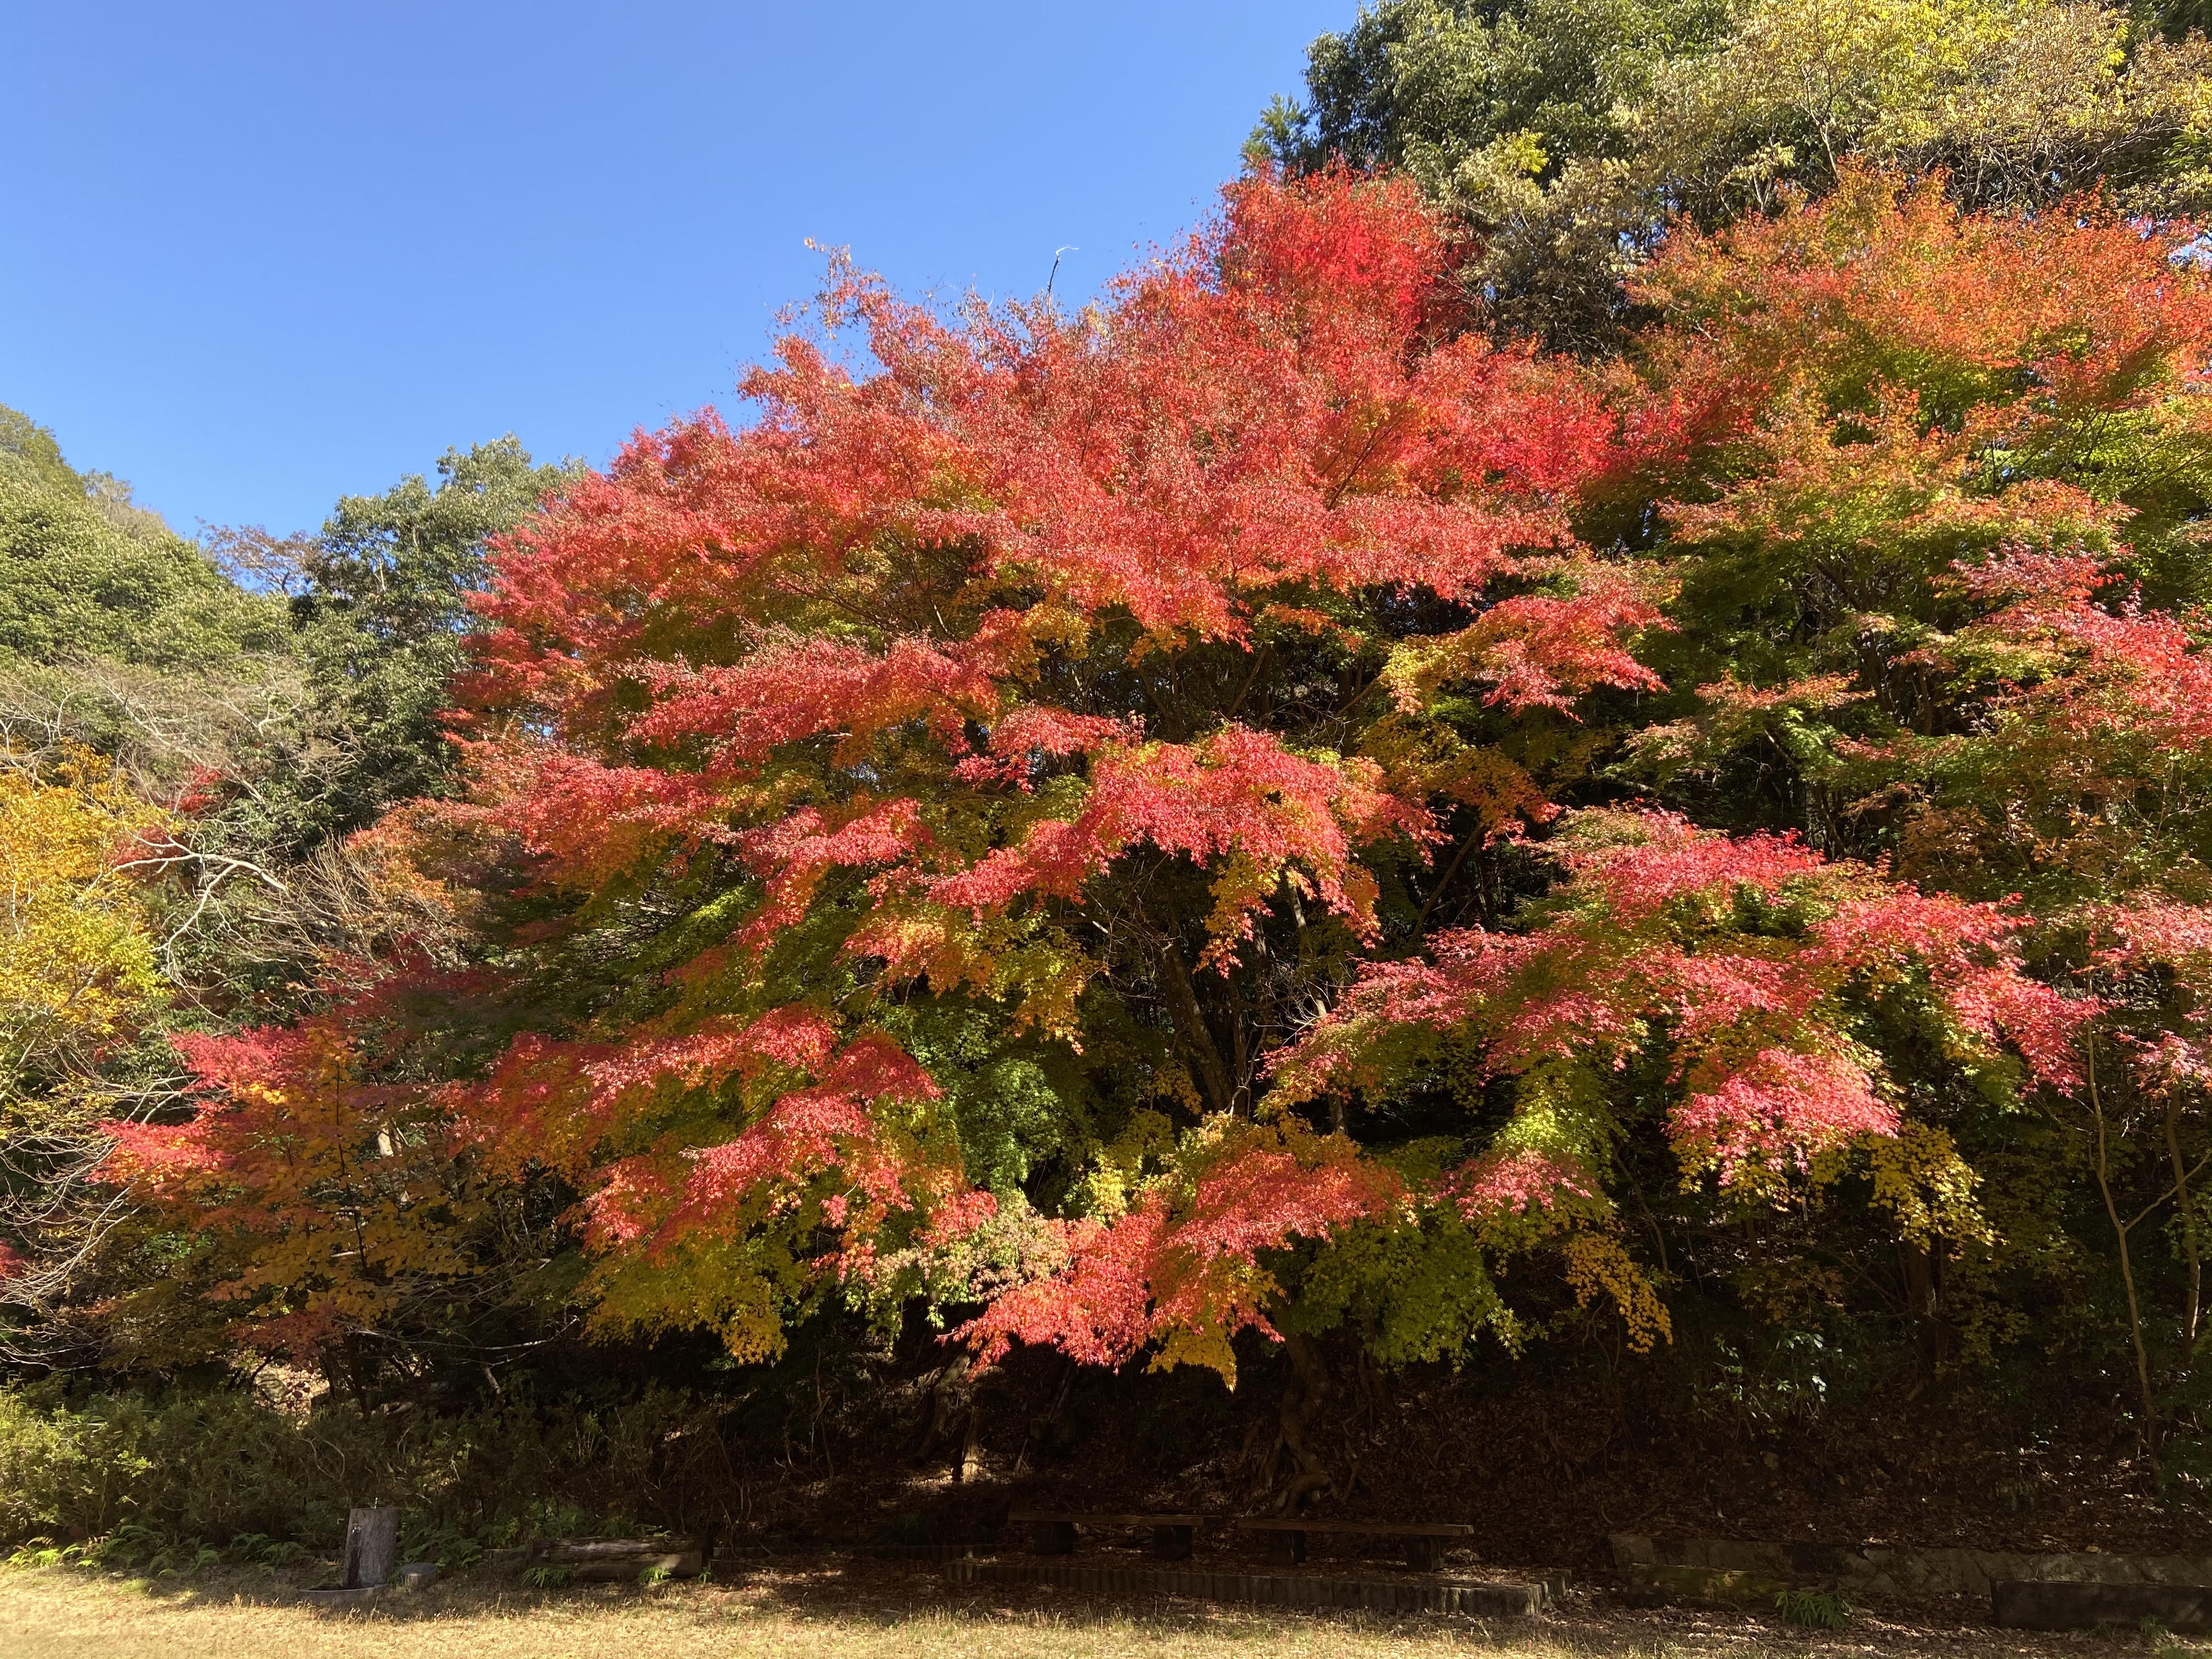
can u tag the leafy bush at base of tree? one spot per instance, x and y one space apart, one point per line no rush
126 1477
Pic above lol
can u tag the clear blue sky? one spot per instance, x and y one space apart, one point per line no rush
253 257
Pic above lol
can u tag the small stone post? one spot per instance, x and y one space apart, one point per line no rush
372 1545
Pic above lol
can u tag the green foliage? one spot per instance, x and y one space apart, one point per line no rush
1428 85
27 450
306 699
136 1478
1815 1609
380 607
1413 1295
2020 102
83 574
208 1466
1566 134
451 1545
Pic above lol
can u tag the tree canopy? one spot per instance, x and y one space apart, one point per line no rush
1581 720
1565 135
1255 808
84 573
380 606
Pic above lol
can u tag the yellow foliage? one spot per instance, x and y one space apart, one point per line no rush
1208 1346
1119 1166
737 1288
1919 1177
2009 94
1595 1262
76 959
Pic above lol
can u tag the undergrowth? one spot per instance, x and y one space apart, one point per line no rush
1815 1609
128 1481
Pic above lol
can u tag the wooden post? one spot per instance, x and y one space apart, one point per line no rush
1172 1543
371 1546
1425 1553
1285 1548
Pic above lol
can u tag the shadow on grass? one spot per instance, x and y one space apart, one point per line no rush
829 1591
824 1590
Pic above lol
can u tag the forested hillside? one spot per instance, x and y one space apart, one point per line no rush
1532 818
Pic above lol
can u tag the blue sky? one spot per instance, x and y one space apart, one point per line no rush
255 257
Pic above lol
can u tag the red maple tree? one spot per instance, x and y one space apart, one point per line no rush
988 828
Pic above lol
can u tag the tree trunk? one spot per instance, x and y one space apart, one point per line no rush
1302 1401
947 1395
2193 1307
2120 1231
971 1445
1924 1302
1191 1029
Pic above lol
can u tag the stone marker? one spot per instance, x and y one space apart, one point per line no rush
417 1575
372 1545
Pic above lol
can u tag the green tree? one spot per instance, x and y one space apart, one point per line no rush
85 573
1523 119
1565 135
29 450
2018 102
381 610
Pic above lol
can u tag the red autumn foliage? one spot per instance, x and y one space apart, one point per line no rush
1748 956
893 761
899 633
331 1197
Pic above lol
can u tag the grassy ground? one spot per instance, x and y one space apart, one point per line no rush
884 1612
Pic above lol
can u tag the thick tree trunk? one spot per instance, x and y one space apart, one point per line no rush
1302 1401
1222 1093
947 1395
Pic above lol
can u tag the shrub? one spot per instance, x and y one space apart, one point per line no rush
151 1475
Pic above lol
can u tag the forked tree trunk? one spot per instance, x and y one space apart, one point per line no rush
947 1394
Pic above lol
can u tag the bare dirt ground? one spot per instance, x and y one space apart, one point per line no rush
898 1611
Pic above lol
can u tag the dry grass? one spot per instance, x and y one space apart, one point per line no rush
874 1613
